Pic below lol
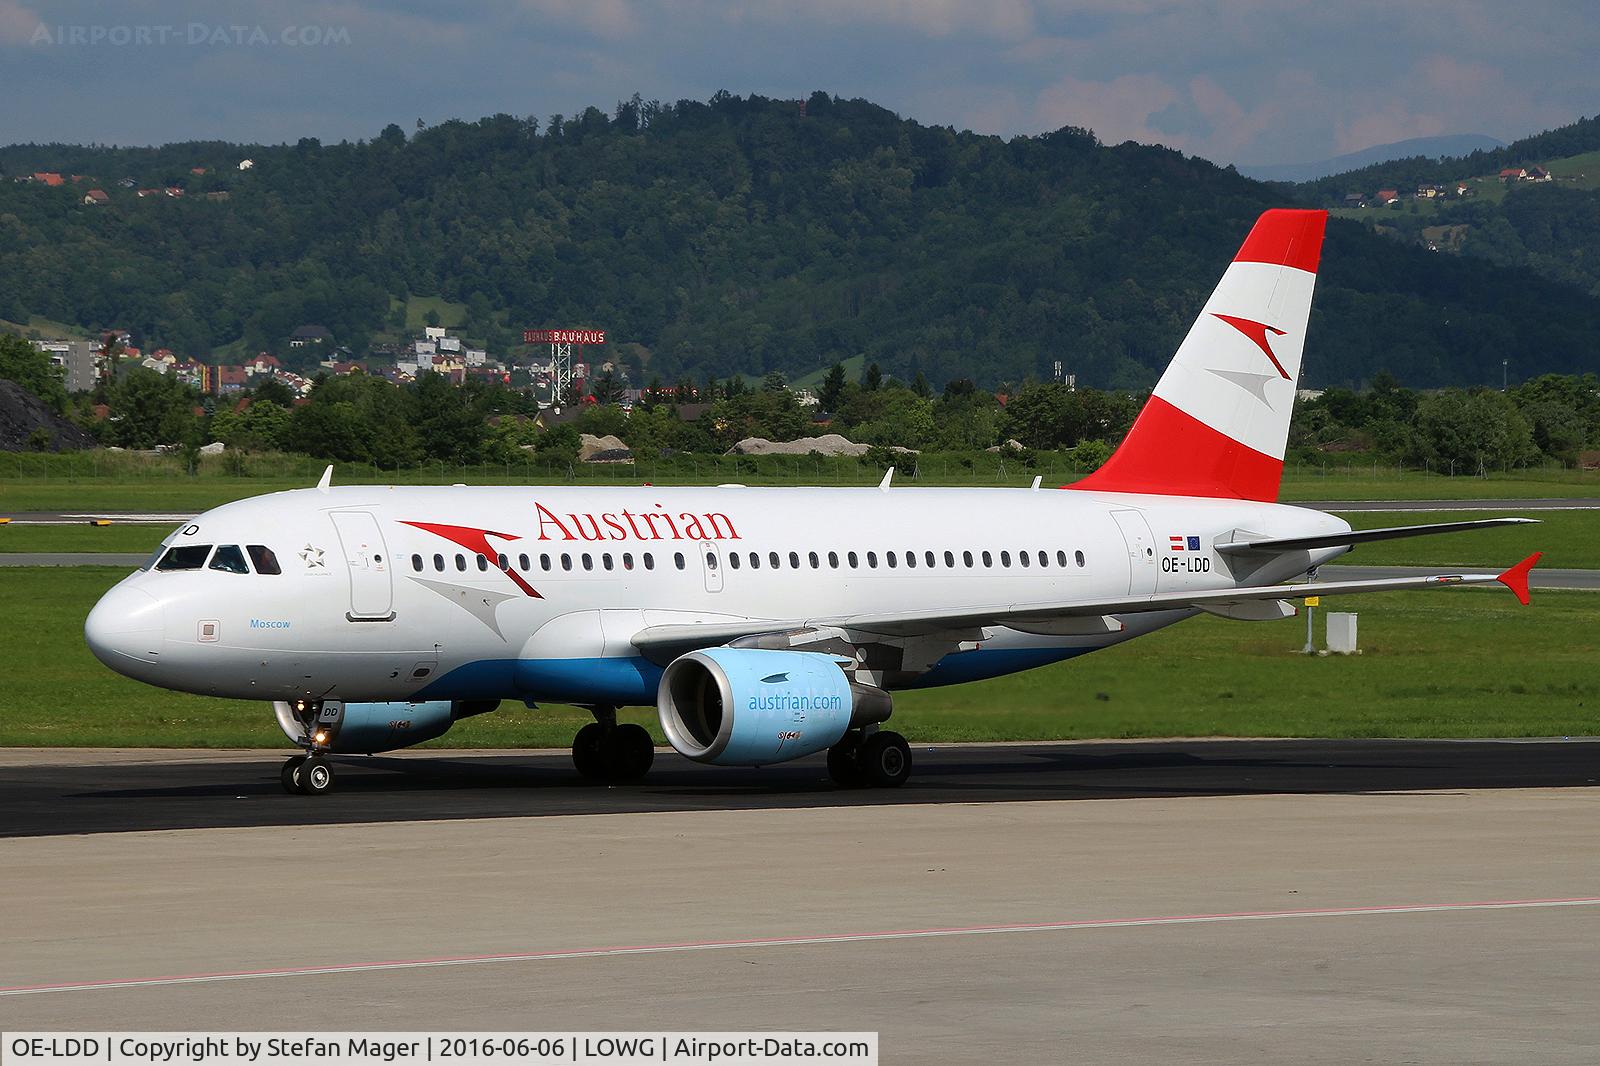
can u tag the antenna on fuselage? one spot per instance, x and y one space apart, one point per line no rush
1037 479
888 476
327 479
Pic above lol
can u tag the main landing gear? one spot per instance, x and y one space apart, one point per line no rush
307 775
606 751
879 759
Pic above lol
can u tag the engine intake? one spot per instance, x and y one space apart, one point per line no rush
754 707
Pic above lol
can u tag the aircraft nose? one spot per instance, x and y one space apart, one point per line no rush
125 628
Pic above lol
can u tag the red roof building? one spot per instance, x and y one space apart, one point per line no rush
47 177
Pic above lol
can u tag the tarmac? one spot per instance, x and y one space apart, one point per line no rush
1196 901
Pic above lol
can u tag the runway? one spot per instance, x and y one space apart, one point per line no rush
1243 901
62 791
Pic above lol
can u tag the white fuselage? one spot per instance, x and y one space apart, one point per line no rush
397 593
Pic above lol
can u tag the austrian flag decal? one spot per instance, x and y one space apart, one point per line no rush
1184 543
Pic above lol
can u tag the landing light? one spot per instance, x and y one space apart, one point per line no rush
320 737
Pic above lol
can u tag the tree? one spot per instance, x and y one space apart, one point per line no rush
32 369
148 409
832 388
272 391
872 377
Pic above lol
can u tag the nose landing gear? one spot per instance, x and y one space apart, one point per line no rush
307 775
606 751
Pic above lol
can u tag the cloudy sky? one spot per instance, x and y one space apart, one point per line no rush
1244 81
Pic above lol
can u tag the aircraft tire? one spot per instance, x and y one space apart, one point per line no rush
315 777
843 765
290 774
628 752
885 759
588 751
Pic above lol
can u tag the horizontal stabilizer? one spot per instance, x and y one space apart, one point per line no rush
1362 536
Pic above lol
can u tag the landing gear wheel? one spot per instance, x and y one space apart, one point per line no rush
290 774
315 777
843 765
885 760
628 752
588 751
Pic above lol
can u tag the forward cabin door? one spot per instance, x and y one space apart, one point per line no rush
1141 552
366 559
711 559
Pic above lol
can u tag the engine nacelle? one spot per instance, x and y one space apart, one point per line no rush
753 707
368 728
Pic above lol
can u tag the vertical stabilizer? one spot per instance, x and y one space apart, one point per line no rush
1218 420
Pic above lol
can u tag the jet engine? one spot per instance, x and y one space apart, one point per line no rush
368 728
753 707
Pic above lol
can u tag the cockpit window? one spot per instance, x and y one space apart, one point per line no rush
185 557
230 559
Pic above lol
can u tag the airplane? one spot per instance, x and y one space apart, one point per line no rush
764 624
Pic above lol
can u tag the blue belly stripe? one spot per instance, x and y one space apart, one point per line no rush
632 681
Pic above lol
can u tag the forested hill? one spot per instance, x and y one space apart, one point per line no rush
742 234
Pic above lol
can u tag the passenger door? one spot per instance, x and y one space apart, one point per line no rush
367 560
1141 552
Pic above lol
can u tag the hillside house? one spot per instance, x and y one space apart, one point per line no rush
263 364
48 177
1388 196
310 334
96 196
142 193
1510 174
174 191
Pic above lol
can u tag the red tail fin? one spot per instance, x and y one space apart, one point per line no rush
1218 420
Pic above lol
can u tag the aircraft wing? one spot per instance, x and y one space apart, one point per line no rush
1052 615
1364 536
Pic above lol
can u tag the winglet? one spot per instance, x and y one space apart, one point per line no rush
1516 579
888 476
327 479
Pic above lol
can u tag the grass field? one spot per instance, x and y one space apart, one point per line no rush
1462 662
101 481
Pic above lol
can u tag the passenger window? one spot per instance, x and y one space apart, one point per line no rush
852 557
522 563
733 560
888 557
815 562
483 564
773 560
438 562
1061 557
966 557
794 560
627 560
230 559
1022 557
1044 557
416 562
649 561
677 559
544 562
833 560
711 560
1005 558
266 559
950 559
755 561
566 561
605 560
988 560
186 557
461 561
588 561
505 564
1078 556
911 558
872 560
930 559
